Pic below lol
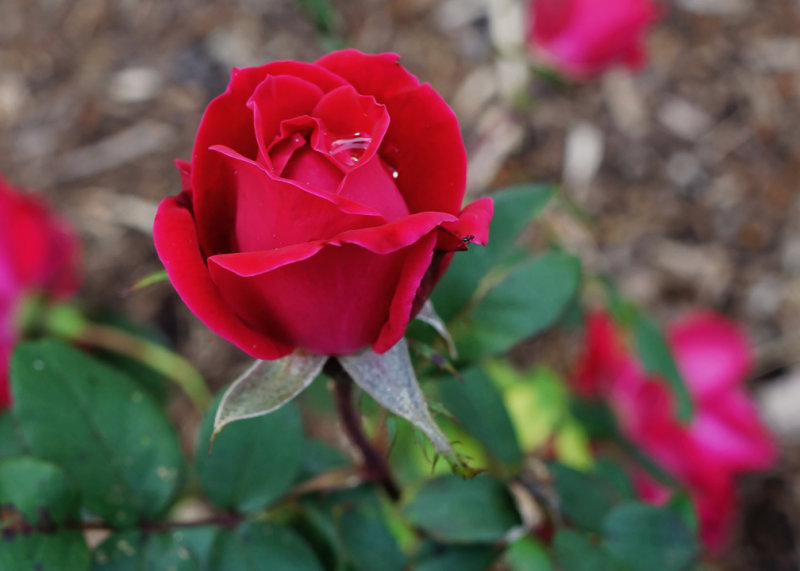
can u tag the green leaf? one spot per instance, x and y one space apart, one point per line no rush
356 528
253 462
10 442
681 503
596 417
267 386
478 406
613 475
134 550
574 552
514 208
647 537
454 510
527 301
536 400
450 558
36 499
586 497
318 457
260 546
95 423
652 467
527 554
657 358
316 525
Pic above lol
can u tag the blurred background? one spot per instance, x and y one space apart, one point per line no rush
688 172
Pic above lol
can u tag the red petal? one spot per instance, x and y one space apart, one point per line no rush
423 143
332 303
178 248
380 75
381 240
273 213
472 226
371 275
227 121
354 124
276 99
185 170
313 171
372 185
417 264
344 204
395 235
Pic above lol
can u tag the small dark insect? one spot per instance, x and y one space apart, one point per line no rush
468 238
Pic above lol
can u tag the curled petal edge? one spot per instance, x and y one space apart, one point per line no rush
179 250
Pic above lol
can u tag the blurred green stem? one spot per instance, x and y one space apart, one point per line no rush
68 322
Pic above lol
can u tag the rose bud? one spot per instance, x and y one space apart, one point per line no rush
725 436
583 38
322 203
39 256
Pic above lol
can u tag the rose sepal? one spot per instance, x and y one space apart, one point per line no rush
428 315
266 386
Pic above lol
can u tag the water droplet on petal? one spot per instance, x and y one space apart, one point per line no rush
349 150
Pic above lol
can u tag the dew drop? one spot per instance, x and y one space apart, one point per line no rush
350 149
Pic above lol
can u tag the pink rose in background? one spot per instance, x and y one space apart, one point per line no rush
39 254
725 436
583 38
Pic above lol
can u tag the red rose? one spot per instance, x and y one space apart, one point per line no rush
584 37
725 436
320 206
39 254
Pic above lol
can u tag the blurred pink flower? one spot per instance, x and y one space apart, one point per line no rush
725 436
583 38
39 254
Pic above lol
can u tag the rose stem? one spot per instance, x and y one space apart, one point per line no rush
376 467
229 520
